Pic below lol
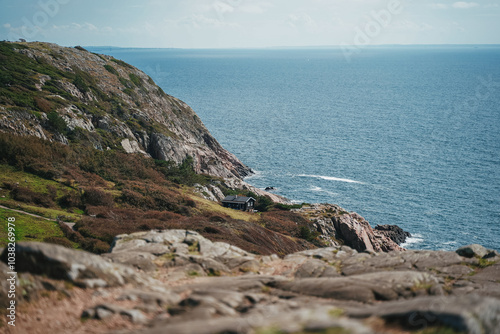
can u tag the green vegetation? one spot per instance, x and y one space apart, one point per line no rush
307 234
183 173
135 79
122 63
28 228
78 47
111 70
19 74
287 207
57 122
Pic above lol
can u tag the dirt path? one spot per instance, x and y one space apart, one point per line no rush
70 225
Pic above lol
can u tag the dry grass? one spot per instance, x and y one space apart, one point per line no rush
215 208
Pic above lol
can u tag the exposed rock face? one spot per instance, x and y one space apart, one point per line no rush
211 287
337 226
123 102
393 232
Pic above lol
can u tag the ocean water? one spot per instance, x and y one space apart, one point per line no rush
402 135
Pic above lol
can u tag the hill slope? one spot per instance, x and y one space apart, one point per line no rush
67 94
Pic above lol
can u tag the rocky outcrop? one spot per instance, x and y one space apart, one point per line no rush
337 226
208 287
393 232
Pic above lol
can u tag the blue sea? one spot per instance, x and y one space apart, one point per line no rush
406 135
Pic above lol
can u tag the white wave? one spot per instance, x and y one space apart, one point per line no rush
256 174
414 239
319 189
330 178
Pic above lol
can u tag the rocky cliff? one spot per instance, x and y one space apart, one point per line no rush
336 226
64 94
177 281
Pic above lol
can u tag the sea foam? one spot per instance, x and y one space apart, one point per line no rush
330 178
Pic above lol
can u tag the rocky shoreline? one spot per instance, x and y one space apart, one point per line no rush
339 227
177 281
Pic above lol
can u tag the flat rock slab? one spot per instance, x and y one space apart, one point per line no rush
469 314
304 320
140 260
367 287
79 267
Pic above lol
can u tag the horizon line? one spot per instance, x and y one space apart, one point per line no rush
290 47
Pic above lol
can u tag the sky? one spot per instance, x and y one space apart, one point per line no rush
250 23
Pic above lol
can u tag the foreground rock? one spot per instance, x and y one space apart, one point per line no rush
177 281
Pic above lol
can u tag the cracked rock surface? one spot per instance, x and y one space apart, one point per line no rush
177 281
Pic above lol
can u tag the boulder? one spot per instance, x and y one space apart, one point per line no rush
79 267
468 314
473 250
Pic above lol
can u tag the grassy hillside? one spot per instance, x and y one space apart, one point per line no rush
107 193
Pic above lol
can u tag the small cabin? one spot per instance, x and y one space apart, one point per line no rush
239 203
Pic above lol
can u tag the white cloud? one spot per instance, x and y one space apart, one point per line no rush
198 21
76 26
222 7
7 25
408 25
255 8
301 20
438 5
464 5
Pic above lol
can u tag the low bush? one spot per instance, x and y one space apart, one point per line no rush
97 197
58 241
26 195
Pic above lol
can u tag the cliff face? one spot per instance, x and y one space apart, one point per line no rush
64 94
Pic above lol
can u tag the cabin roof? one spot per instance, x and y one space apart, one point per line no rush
237 199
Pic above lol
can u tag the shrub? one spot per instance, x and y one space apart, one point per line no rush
78 47
307 234
287 207
57 122
26 195
94 196
111 70
52 191
135 79
58 241
70 200
263 203
121 63
80 83
43 105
